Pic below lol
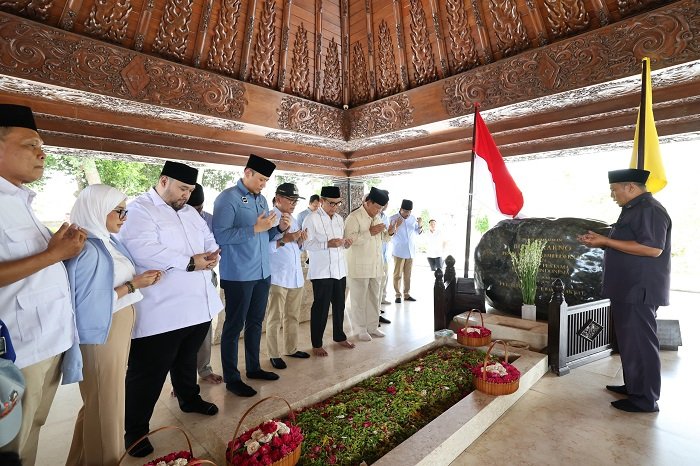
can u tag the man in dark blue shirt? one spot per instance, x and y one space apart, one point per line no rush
636 278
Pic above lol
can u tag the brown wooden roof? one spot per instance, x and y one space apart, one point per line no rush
345 88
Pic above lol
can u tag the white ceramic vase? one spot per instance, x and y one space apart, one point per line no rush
529 312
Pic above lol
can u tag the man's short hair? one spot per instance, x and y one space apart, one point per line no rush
314 198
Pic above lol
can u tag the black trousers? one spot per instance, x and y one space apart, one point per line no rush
327 291
150 360
635 329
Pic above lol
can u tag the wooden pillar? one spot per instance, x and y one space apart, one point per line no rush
370 50
202 33
345 50
403 70
444 68
481 34
248 40
284 49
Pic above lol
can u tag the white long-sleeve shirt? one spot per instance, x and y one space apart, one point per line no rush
324 262
364 257
285 262
160 238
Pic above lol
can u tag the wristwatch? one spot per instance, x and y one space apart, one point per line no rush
190 266
282 243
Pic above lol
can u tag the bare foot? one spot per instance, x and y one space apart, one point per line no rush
212 378
319 352
346 343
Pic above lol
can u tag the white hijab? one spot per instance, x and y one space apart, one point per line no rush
93 205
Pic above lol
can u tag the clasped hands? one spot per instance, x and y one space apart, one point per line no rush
339 243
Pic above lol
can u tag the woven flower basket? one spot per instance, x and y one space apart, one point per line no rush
464 339
291 458
495 388
187 454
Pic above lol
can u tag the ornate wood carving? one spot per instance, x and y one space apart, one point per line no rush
369 22
565 17
284 45
70 12
508 27
202 33
600 10
591 59
142 28
360 87
482 35
423 59
462 46
108 20
171 40
299 79
62 59
222 53
403 71
263 72
332 88
32 9
345 49
384 116
248 39
627 7
444 70
309 117
388 80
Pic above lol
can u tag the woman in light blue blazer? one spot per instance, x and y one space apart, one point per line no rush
104 287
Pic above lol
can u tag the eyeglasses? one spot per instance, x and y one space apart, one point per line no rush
335 204
121 213
291 199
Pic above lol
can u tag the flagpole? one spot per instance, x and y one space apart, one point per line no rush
471 195
642 117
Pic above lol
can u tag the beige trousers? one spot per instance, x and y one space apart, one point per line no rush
283 308
402 267
385 280
364 304
41 381
98 438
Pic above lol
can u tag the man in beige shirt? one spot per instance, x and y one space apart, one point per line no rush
365 263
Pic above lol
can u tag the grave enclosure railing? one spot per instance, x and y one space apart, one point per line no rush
453 295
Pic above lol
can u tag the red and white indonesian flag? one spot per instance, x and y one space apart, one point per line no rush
491 177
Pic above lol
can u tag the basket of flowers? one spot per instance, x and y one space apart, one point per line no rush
177 458
474 335
273 442
495 377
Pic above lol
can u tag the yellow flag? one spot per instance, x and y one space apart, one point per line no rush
646 153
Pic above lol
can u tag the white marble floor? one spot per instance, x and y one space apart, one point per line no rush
560 420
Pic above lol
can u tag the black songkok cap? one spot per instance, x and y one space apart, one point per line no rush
628 175
260 165
17 116
180 172
406 204
197 196
378 196
331 192
288 190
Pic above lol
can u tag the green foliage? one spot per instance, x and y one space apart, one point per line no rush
425 215
132 178
481 224
526 264
218 179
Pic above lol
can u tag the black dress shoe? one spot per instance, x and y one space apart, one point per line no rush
300 355
381 311
630 407
141 449
241 389
200 406
262 375
621 389
384 320
397 300
410 298
278 363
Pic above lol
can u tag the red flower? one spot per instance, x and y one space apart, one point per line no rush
391 389
366 424
332 459
269 427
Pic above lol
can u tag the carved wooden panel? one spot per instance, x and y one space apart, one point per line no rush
299 79
422 51
309 117
109 19
387 78
565 17
263 70
508 27
360 86
222 53
32 9
387 115
171 40
627 7
462 47
332 85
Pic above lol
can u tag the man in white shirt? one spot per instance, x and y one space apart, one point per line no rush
164 233
314 204
287 281
435 246
365 263
35 300
404 243
326 247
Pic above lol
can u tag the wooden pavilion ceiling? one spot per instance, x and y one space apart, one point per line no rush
345 87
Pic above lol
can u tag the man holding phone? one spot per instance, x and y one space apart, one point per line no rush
172 320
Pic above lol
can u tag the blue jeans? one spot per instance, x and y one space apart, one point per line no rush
245 309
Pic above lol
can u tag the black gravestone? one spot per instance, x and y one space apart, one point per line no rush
564 257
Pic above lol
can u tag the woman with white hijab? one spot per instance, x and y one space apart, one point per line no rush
104 287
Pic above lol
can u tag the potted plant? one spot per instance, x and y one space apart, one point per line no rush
526 263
